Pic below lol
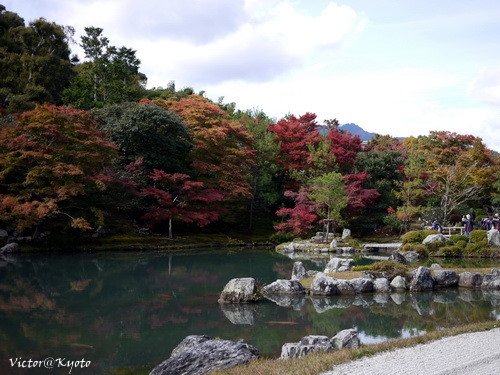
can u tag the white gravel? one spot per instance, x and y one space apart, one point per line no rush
471 353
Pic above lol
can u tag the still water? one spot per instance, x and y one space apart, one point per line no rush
129 310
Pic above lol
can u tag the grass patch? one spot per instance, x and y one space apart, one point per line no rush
316 363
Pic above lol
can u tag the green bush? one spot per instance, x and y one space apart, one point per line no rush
433 248
416 236
387 267
456 238
478 235
450 251
280 238
478 249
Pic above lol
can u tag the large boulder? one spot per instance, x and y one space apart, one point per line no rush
470 279
298 271
431 238
398 283
241 290
346 233
422 280
362 285
491 281
308 344
283 287
348 338
493 237
339 265
444 278
197 355
9 248
324 285
345 287
381 285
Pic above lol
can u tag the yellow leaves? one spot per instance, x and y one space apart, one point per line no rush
80 223
67 169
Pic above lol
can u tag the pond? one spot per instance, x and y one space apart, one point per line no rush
129 310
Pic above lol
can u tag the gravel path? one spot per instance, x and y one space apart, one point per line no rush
471 353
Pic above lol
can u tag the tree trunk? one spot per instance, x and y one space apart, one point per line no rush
170 228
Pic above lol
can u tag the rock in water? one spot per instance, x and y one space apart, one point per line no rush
470 279
398 283
493 237
398 257
381 285
348 338
491 281
240 290
362 285
324 285
298 271
422 280
282 286
339 265
197 355
445 278
9 248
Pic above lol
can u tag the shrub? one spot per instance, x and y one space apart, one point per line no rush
433 248
456 238
479 249
416 236
353 242
450 251
384 268
478 235
280 238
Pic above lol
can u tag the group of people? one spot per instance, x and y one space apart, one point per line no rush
468 221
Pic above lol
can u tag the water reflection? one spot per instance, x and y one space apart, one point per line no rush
128 310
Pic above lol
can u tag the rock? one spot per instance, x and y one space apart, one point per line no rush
381 285
307 344
470 279
3 234
431 238
422 280
282 286
311 273
346 233
345 287
346 250
197 355
290 248
333 244
495 271
324 285
361 285
10 248
493 237
348 338
240 290
435 266
339 265
398 283
444 278
100 232
398 298
397 256
240 314
381 298
410 256
491 281
298 271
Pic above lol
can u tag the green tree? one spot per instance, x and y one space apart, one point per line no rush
328 192
109 74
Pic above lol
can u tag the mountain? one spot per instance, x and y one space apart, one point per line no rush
351 128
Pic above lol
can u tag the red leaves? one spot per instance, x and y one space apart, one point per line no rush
345 147
295 136
358 197
299 219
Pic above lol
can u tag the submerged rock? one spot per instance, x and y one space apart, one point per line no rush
197 355
295 301
241 290
240 314
422 280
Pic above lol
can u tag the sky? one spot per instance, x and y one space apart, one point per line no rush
398 67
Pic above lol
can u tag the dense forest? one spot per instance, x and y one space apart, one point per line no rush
84 144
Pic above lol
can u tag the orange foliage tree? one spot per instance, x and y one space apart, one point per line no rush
49 158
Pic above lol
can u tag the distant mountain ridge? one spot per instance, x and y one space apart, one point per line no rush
354 130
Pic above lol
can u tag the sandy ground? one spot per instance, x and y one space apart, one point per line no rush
471 353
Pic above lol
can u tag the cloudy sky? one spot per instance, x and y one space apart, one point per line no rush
399 67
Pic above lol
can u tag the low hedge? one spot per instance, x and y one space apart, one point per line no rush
416 236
